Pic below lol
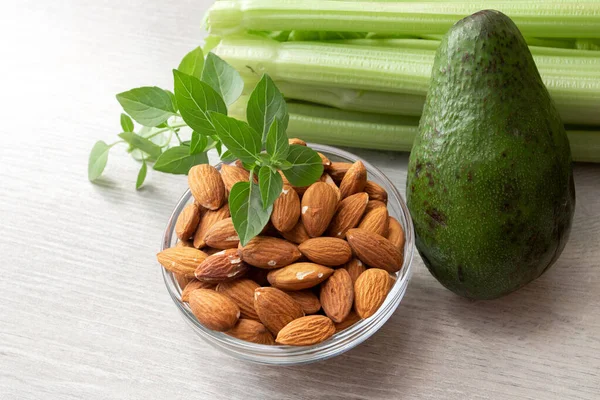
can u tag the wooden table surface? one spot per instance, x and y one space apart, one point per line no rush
84 313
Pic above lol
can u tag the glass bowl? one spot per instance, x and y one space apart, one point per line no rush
341 341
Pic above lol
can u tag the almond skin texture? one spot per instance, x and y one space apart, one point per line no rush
373 204
318 207
208 219
194 284
222 235
286 210
376 192
207 186
350 320
214 310
337 295
184 243
370 291
241 291
302 275
355 267
297 234
307 299
181 260
349 213
354 181
275 308
375 221
251 331
223 266
232 175
327 179
187 221
306 331
297 141
182 280
396 233
326 161
375 250
337 170
326 251
269 252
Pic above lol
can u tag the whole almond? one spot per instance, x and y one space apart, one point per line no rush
375 221
275 308
373 204
297 141
337 170
298 276
376 192
355 267
349 213
187 221
184 243
370 291
307 299
181 260
318 207
222 235
306 331
350 320
194 284
207 220
326 161
241 291
214 310
396 233
337 295
207 186
232 175
269 252
326 251
286 210
297 234
182 280
354 181
251 331
375 250
223 266
327 179
210 250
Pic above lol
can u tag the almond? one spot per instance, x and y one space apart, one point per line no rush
241 291
355 180
324 159
337 295
187 221
375 250
275 308
298 276
318 207
373 204
232 175
375 221
297 234
337 170
269 252
214 310
238 163
258 275
326 251
305 331
222 235
223 266
210 251
396 233
350 320
376 192
184 243
182 280
370 291
355 267
297 141
208 219
327 179
251 331
194 284
286 210
307 299
207 186
299 189
348 214
181 260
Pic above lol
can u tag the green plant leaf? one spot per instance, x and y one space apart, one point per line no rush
264 105
249 217
227 156
141 175
148 105
277 142
284 164
192 63
138 142
178 160
195 99
270 184
126 123
97 160
198 143
241 140
223 78
307 166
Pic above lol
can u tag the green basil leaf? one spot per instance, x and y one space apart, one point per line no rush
198 143
192 63
228 157
178 160
270 184
141 175
97 160
149 105
264 105
126 123
239 138
284 164
138 142
277 142
195 99
223 78
307 166
249 217
172 96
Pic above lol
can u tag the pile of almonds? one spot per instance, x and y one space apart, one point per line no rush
322 263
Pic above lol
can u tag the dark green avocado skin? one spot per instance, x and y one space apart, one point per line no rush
490 183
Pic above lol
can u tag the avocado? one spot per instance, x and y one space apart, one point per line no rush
490 183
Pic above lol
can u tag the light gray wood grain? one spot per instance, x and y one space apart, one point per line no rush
83 310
